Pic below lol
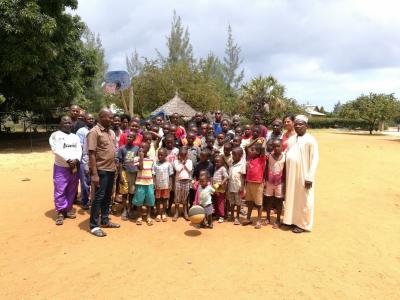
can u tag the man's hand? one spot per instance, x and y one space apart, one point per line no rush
308 184
95 180
141 154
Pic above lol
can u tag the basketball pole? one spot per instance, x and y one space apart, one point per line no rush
131 100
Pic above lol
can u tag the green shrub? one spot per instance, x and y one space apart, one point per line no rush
338 123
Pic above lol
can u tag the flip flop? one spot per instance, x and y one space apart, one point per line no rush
139 221
164 218
158 218
60 220
149 221
297 230
258 225
98 232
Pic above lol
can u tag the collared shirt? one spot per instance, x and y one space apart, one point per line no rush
101 141
82 134
183 171
162 173
236 171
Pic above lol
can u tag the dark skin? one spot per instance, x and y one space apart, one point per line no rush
198 118
218 116
237 140
182 157
257 119
225 126
235 122
238 131
203 130
144 149
277 127
161 212
191 138
175 119
66 127
247 131
301 128
125 203
89 120
220 139
203 181
124 124
237 154
210 130
74 112
105 120
277 155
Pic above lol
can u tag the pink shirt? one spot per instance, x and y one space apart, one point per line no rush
255 169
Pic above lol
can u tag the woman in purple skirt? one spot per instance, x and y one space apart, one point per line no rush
67 154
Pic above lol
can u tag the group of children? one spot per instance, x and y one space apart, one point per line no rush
220 166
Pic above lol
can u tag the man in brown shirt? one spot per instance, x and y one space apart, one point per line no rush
101 147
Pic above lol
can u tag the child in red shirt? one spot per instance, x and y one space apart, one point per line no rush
255 179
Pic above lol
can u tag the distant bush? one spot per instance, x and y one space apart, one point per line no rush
338 123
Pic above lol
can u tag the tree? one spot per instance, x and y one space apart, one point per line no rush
337 108
178 43
266 95
40 56
232 62
133 64
93 68
373 108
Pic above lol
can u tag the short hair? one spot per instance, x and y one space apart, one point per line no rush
238 150
206 151
163 149
125 116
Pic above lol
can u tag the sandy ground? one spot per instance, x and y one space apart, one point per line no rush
353 252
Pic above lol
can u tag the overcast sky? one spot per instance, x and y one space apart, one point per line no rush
322 51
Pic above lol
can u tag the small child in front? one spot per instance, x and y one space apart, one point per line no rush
183 168
237 174
275 177
219 181
162 172
144 194
205 191
255 179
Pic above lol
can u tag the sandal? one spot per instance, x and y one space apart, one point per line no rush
149 221
70 215
164 218
60 219
246 222
297 230
158 218
276 225
139 221
236 222
98 232
258 225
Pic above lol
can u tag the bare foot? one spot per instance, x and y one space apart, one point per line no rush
276 225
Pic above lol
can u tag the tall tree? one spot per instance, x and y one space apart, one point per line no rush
93 70
178 43
40 55
133 64
373 108
232 61
336 108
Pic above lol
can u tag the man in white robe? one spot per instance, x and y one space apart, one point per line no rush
301 164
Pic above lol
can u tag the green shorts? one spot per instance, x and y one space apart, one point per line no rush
144 195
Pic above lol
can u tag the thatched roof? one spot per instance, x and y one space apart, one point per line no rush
176 105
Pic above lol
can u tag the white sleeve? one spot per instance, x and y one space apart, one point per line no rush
57 147
314 157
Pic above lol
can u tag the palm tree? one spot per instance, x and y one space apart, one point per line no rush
263 94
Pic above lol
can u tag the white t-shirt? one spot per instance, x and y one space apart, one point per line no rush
65 146
182 172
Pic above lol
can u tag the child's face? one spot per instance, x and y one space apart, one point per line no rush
134 126
194 129
239 131
277 147
210 129
204 129
148 138
203 156
220 139
218 162
270 147
131 137
169 143
203 181
124 123
147 125
161 156
256 133
190 139
247 131
257 120
225 126
276 127
227 149
236 122
145 148
254 152
182 155
237 140
166 129
236 156
175 119
117 122
159 121
210 142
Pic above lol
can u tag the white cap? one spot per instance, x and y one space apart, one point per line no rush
301 118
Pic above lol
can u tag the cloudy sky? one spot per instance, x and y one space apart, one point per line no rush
322 51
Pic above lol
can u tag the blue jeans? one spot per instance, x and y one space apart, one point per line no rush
85 185
102 199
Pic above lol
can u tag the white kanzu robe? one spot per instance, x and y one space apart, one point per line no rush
301 164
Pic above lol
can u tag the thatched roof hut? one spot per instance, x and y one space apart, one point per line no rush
176 105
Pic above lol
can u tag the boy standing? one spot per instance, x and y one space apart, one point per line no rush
144 194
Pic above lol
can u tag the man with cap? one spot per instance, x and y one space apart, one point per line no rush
301 164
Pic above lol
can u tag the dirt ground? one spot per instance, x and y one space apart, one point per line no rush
352 253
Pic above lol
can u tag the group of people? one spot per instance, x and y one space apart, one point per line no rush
146 168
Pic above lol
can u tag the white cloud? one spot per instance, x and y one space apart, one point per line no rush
322 51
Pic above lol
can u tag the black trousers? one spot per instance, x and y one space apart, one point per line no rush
102 199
